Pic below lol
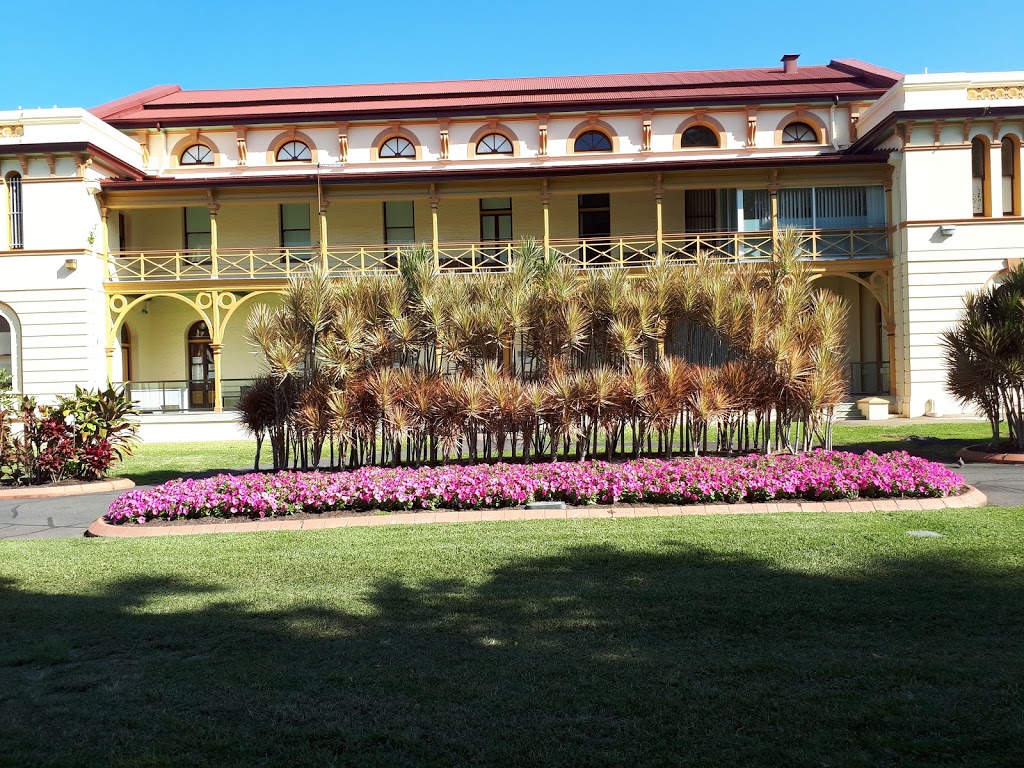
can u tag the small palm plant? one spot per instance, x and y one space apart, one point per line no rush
985 355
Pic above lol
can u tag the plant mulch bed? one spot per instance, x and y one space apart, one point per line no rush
971 497
991 454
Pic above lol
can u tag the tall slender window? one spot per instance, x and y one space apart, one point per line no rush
496 219
399 223
295 234
980 198
198 234
1011 176
595 215
15 215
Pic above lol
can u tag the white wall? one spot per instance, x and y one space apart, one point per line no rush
61 317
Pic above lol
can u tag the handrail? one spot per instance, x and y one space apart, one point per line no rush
614 250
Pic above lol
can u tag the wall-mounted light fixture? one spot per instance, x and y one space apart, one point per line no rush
947 229
70 264
145 306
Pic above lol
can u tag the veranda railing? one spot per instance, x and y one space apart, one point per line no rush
631 251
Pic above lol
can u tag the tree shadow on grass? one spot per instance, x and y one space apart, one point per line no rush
941 449
593 657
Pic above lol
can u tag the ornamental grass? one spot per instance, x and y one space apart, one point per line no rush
817 476
548 358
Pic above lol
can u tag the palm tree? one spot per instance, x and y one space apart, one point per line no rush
985 355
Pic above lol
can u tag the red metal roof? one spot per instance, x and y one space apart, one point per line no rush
170 105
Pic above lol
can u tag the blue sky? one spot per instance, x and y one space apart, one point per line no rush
73 54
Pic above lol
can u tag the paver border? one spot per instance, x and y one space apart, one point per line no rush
975 453
971 498
78 489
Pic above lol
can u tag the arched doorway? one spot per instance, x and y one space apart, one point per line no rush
9 342
200 367
865 337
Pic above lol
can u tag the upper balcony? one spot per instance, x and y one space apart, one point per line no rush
491 256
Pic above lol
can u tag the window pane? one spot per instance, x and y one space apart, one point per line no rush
595 223
699 136
799 133
488 228
757 210
198 241
295 216
294 150
796 208
600 200
496 204
400 235
978 158
197 220
295 237
505 227
592 141
399 214
494 143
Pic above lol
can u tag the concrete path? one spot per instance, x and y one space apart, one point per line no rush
71 516
61 517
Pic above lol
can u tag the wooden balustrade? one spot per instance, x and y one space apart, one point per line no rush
629 251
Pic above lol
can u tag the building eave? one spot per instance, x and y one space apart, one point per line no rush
436 175
114 163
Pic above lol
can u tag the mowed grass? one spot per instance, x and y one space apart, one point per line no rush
786 640
159 462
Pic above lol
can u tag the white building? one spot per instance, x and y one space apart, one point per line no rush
138 233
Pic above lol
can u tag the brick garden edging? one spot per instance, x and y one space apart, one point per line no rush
972 498
974 453
78 489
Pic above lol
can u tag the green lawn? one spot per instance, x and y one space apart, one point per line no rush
158 462
787 640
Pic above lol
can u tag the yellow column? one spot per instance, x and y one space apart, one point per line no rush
434 200
110 364
214 208
323 232
218 390
774 192
657 202
545 200
105 239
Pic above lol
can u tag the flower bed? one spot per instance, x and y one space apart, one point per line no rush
818 476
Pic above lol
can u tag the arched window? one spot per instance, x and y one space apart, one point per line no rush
9 346
981 198
1011 176
494 144
397 147
799 133
592 141
293 152
699 136
15 215
197 154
